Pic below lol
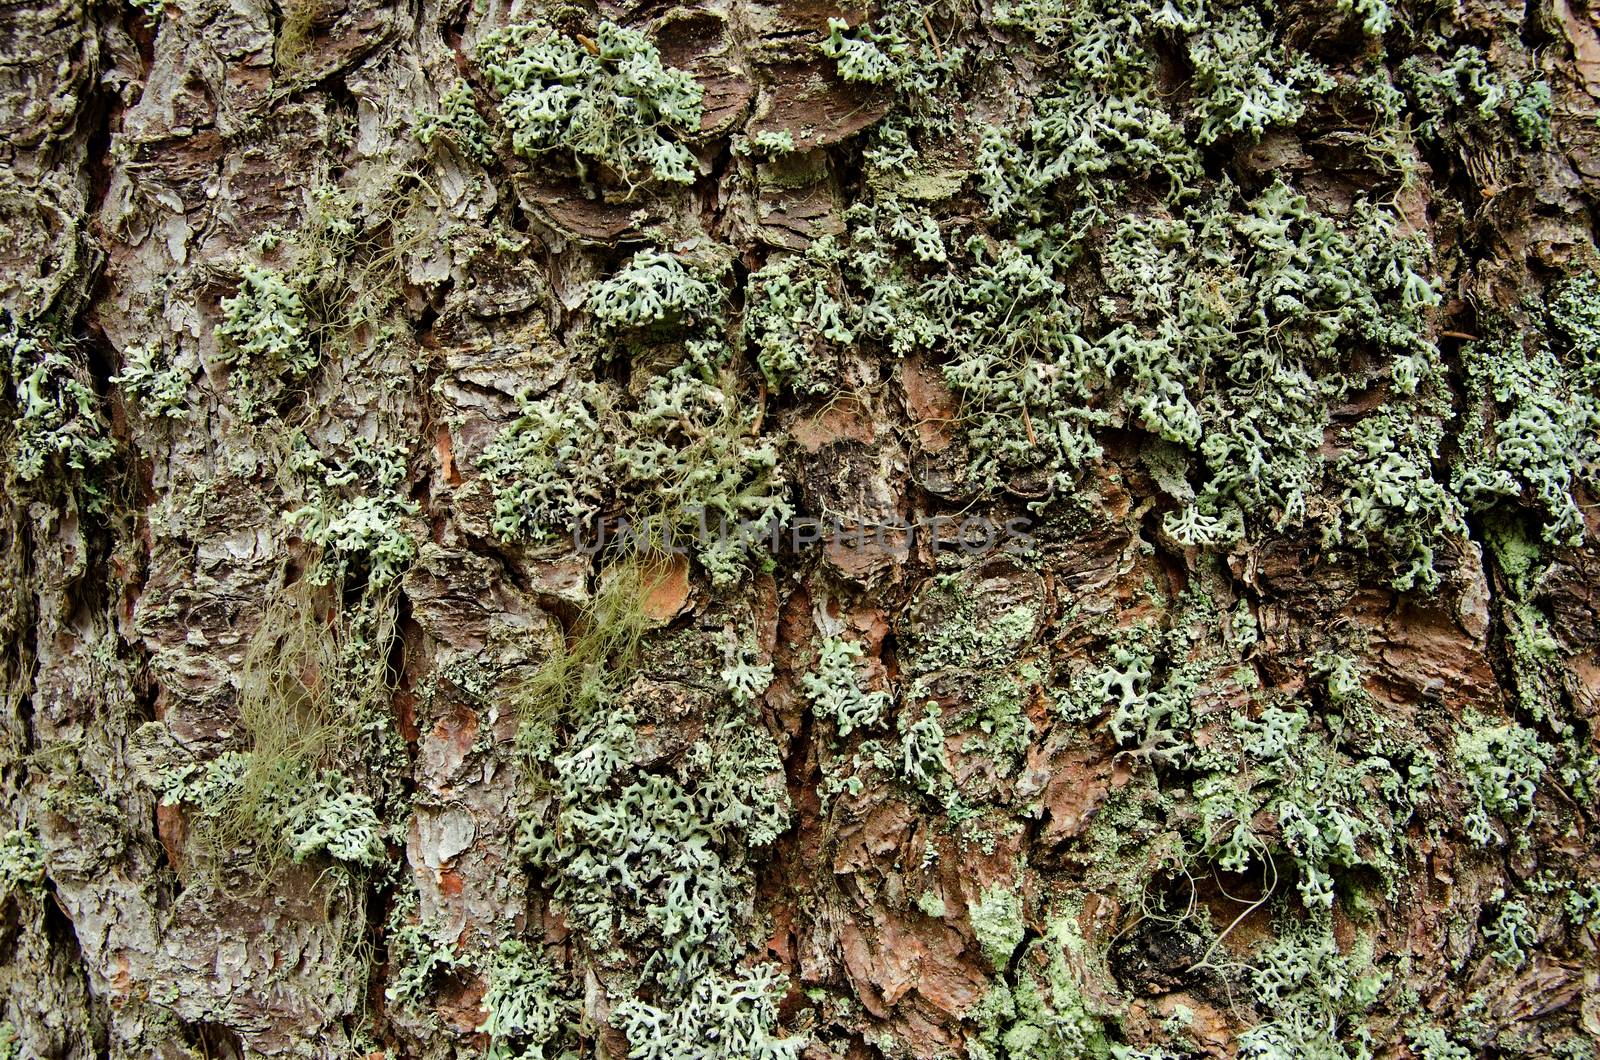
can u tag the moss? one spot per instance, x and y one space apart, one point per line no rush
591 665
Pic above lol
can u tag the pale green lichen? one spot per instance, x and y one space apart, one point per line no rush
1046 1013
682 464
996 918
56 423
459 122
1311 994
150 379
265 338
547 473
834 689
306 815
1534 436
417 956
654 862
608 103
860 54
653 289
1503 765
527 1012
1511 933
22 863
982 658
355 511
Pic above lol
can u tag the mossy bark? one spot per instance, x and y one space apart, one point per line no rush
1133 767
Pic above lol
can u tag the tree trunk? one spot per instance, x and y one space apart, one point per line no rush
1031 529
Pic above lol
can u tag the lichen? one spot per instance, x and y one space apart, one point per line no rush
304 815
56 420
996 918
355 512
22 863
459 122
265 338
1503 765
609 104
834 689
150 378
527 1011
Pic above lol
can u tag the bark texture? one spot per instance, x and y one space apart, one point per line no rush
1222 384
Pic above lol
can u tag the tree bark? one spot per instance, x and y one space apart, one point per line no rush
1171 437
